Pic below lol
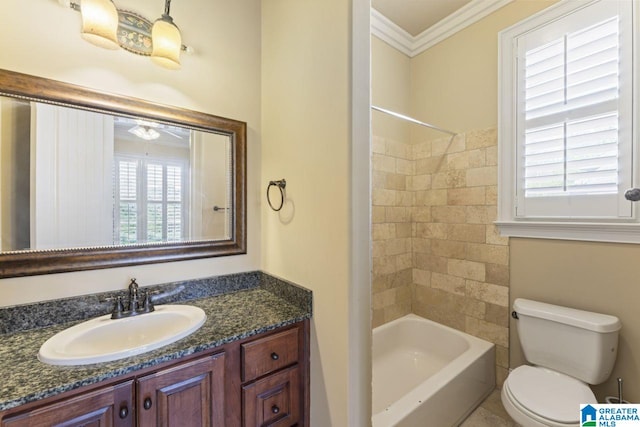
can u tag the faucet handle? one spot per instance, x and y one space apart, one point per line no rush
147 304
117 309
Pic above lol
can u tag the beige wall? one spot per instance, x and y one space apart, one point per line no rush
600 277
455 82
307 140
455 87
221 78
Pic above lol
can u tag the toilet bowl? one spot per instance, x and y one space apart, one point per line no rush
568 349
539 397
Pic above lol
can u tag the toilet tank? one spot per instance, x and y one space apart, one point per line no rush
579 343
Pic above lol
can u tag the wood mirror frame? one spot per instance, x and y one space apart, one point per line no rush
34 262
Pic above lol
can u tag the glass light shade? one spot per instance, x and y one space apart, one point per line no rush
100 23
145 132
167 43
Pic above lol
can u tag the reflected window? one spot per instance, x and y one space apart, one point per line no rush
150 202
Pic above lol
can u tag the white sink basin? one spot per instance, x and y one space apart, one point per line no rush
103 339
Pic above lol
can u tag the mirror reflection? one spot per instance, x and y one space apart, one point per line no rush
73 178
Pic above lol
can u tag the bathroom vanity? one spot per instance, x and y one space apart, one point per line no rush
248 365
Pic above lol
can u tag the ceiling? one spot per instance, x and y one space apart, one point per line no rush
415 16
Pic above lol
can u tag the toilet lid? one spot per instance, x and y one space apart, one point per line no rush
550 394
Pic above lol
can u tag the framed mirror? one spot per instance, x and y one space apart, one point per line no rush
92 180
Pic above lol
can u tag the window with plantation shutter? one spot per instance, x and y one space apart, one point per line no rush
150 200
566 135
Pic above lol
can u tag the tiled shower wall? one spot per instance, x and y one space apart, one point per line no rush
442 194
392 229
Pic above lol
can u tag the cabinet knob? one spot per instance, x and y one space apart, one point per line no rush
124 412
274 356
147 403
275 409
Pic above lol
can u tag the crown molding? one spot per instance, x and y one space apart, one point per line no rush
472 12
387 31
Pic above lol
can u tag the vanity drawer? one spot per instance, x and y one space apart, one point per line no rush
269 354
273 401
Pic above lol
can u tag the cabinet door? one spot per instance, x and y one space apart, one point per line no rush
273 401
106 407
188 395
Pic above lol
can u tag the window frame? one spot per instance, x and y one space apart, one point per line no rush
509 224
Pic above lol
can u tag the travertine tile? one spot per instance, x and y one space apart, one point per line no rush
493 254
436 250
377 214
451 284
488 331
429 165
421 245
474 308
494 294
421 277
383 197
394 181
431 198
497 274
449 179
432 230
487 175
448 248
419 182
377 145
474 233
498 314
421 214
466 196
449 214
421 150
494 237
383 231
383 163
448 145
398 149
481 138
398 214
405 167
466 269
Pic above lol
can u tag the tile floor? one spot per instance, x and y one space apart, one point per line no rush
490 413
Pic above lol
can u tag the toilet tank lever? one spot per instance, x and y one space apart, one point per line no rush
514 314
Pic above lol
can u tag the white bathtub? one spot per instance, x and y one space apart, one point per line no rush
427 374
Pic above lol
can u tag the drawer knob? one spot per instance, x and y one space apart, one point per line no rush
275 409
147 403
274 356
124 412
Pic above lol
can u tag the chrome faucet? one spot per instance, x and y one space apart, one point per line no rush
134 307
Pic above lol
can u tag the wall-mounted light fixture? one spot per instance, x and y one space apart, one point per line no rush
106 26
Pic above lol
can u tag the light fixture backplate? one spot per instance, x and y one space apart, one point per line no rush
134 33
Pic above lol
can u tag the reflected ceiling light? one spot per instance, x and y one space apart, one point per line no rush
167 40
147 133
106 26
100 23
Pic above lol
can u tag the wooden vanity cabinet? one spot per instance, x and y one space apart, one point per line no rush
272 387
190 394
260 381
107 406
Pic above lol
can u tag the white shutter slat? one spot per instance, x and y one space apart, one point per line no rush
570 105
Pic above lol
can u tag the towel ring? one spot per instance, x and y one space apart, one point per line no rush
281 184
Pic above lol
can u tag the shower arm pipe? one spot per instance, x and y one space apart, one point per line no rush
412 120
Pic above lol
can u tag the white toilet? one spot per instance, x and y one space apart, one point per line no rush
568 349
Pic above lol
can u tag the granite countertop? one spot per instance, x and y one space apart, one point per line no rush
260 303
